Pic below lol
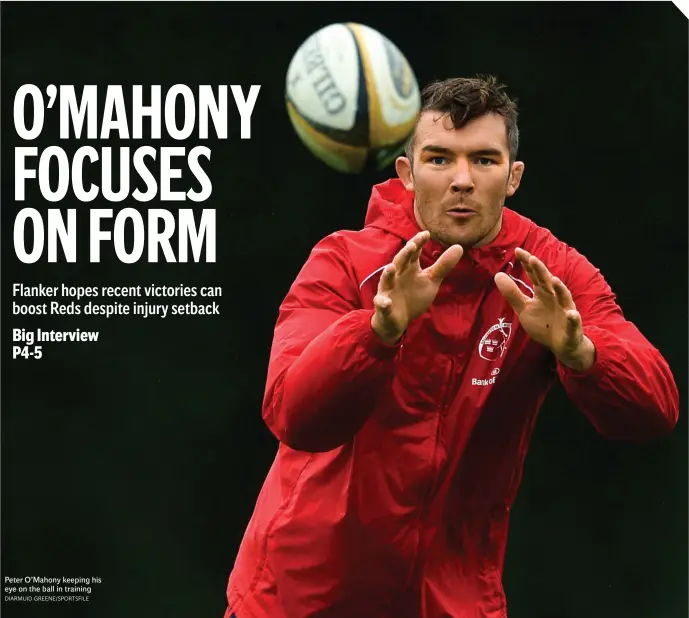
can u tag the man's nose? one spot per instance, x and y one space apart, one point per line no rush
462 181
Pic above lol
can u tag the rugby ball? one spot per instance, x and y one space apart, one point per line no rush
352 97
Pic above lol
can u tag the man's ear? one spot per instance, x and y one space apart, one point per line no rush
404 171
515 178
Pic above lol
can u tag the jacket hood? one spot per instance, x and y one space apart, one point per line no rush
391 208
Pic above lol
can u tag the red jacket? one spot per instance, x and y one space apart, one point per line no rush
391 490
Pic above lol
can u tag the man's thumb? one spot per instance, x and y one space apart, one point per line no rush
510 291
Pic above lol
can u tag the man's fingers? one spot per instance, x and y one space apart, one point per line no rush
387 279
542 274
403 257
573 324
563 295
383 304
419 241
411 251
511 292
524 257
534 272
536 269
445 263
421 238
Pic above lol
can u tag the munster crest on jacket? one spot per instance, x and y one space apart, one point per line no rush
494 343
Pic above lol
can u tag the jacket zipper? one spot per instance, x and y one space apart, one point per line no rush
432 481
444 404
448 388
442 412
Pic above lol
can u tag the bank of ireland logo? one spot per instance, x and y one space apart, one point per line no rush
494 343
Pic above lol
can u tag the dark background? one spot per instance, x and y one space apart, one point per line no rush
138 459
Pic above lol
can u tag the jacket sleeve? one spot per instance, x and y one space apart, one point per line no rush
629 393
327 366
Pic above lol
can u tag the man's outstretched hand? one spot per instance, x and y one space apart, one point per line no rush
550 317
405 290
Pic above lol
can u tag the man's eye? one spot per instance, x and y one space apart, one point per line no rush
438 160
485 161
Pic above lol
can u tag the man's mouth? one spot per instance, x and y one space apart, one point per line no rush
461 212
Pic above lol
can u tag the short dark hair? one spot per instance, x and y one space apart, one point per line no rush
466 98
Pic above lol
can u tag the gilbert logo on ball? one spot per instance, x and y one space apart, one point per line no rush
352 97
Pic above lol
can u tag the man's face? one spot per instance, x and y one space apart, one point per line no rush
460 178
